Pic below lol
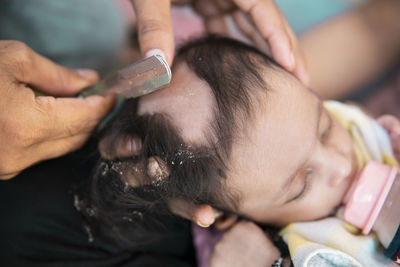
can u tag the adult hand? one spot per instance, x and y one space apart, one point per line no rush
154 27
260 20
35 128
244 244
392 125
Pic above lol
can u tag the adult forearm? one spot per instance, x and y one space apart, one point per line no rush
350 50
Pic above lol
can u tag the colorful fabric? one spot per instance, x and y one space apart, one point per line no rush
331 241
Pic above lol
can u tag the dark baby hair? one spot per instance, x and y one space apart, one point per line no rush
196 174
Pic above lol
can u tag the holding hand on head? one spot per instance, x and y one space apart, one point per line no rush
35 128
260 21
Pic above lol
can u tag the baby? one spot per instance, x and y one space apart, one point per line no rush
233 134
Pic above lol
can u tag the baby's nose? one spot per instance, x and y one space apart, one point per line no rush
341 169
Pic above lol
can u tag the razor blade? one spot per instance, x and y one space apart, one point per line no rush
137 79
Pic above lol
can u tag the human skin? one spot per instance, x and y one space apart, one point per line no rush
44 127
287 111
291 135
244 244
363 16
35 128
286 134
348 52
260 20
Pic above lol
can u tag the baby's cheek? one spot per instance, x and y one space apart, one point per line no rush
343 139
325 203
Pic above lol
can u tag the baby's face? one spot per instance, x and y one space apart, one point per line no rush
293 163
298 161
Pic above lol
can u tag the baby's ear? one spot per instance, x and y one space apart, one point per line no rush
202 214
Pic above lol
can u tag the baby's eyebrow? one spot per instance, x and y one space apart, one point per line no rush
291 177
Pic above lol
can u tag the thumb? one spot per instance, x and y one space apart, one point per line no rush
50 78
154 27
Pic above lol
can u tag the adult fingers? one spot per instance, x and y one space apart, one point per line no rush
7 176
300 69
41 151
65 117
246 26
28 67
273 26
211 8
268 20
155 28
216 25
30 121
238 26
54 148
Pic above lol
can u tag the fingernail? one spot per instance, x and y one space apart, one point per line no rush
87 74
154 52
201 224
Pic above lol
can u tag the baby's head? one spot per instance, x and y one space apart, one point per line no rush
234 132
